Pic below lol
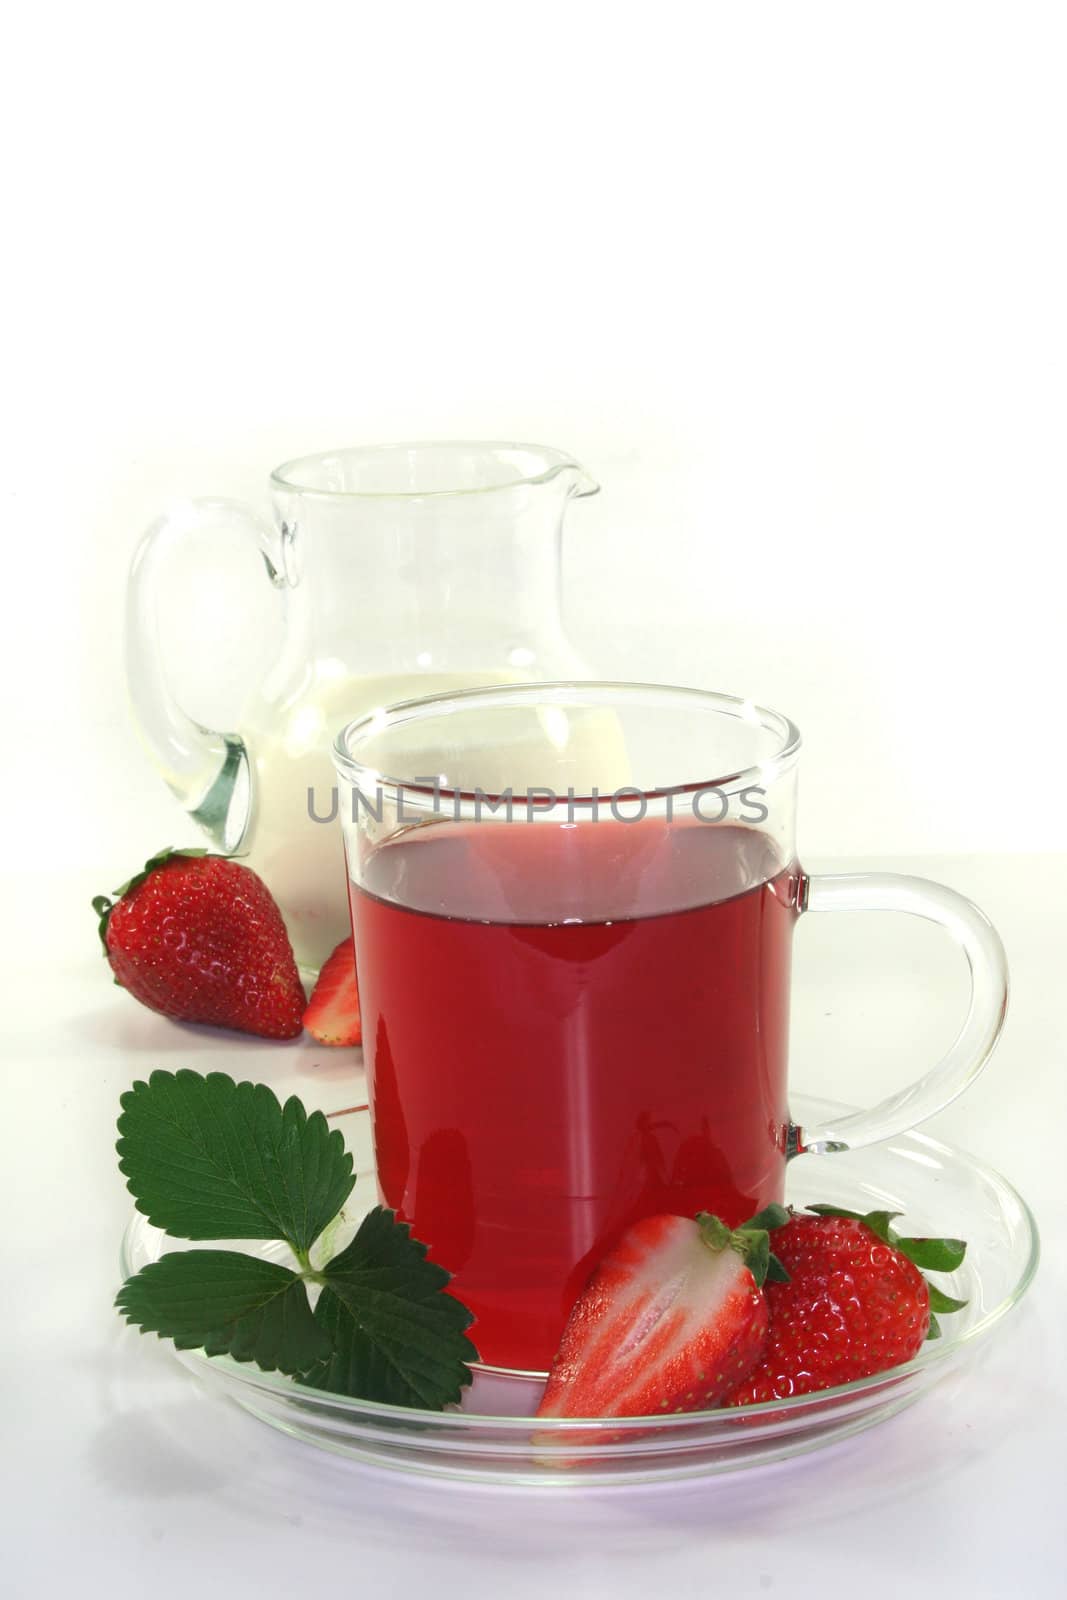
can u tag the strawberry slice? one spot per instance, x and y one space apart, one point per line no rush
332 1016
672 1319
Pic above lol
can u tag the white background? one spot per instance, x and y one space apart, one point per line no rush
790 278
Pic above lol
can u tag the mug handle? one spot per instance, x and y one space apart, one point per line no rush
980 943
207 771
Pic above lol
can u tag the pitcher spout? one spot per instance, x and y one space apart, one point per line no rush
567 474
583 484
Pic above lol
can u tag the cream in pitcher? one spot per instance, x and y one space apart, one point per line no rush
400 570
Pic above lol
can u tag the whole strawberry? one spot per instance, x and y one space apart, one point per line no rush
855 1304
199 938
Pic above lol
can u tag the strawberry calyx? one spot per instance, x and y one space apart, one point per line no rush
751 1241
104 905
928 1255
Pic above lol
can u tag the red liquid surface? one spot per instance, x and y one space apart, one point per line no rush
539 1082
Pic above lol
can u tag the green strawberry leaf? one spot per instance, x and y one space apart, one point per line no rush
880 1224
940 1301
772 1216
776 1273
227 1303
397 1337
756 1250
103 906
933 1255
208 1158
934 1330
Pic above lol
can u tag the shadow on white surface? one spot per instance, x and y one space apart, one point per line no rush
133 1027
164 1440
324 1078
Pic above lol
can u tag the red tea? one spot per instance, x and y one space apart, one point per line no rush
567 1029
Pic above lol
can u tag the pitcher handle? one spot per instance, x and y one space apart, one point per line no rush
980 943
208 771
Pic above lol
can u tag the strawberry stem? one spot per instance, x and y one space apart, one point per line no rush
752 1241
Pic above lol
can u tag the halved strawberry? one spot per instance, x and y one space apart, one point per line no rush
672 1319
332 1016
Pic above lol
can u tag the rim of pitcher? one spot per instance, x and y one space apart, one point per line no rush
563 692
556 461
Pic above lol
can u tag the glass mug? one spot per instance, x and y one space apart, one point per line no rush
575 992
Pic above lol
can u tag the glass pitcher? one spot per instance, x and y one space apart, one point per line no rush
400 570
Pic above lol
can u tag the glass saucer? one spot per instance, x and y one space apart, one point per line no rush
491 1439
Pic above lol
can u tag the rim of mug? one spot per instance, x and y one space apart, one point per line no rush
566 692
557 461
